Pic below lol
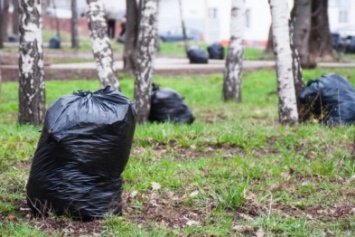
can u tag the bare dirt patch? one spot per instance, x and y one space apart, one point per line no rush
198 151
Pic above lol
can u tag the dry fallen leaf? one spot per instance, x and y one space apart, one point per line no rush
194 194
246 217
192 222
249 195
156 186
260 233
242 228
11 217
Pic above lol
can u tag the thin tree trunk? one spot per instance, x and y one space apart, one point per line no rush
56 18
145 57
132 23
31 88
15 17
270 42
234 61
157 36
74 25
286 89
320 38
186 44
301 21
1 24
101 47
303 113
5 16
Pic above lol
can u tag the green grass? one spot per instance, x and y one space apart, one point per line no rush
170 49
234 172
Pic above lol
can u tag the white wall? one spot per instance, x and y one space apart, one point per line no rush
335 7
259 19
169 15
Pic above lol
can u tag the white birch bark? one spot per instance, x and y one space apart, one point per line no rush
145 57
31 86
288 113
234 60
101 46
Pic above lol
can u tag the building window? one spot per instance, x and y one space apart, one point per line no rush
343 16
247 18
213 13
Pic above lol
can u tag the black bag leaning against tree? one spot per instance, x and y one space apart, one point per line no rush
331 98
168 106
83 149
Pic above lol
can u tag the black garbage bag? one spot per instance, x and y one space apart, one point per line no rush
83 149
168 106
331 98
54 42
13 38
215 51
197 55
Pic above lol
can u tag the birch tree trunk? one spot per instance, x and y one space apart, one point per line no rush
31 76
183 27
131 35
101 47
145 57
303 113
74 25
301 21
286 90
234 60
15 17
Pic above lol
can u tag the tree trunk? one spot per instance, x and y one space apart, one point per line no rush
15 17
270 42
132 23
1 24
31 88
186 44
320 38
74 25
281 35
301 21
234 61
303 113
101 47
145 57
5 16
56 18
157 36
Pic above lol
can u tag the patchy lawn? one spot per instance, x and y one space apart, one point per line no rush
234 172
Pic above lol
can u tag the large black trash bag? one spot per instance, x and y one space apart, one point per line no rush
197 55
83 149
331 98
215 51
168 106
54 42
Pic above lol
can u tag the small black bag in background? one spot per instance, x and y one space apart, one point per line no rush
83 149
197 55
168 106
331 98
215 51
